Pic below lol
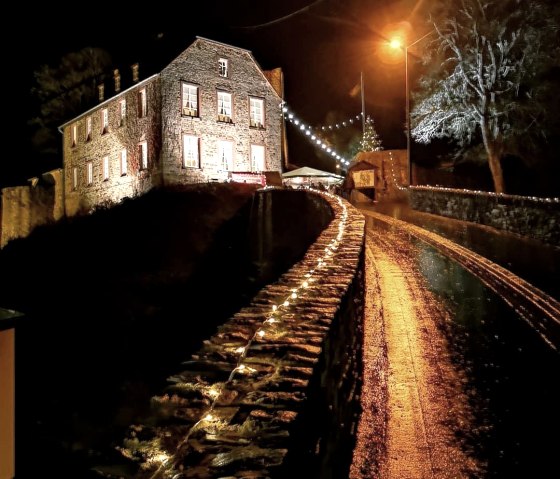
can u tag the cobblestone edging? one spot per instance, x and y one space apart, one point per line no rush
538 218
275 392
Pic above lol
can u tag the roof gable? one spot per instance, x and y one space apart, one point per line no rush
205 47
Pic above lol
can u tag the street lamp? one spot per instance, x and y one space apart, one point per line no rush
396 43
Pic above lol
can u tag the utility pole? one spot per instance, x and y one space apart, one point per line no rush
363 104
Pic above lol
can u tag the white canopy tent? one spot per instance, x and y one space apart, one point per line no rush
307 176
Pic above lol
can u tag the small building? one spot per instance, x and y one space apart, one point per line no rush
377 175
211 112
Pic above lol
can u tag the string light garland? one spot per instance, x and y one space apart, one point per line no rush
274 317
487 193
318 142
343 124
398 184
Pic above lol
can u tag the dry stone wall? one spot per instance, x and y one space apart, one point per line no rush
538 218
274 393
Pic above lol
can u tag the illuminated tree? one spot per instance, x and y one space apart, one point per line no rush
488 80
370 140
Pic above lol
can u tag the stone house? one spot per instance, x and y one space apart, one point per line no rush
211 112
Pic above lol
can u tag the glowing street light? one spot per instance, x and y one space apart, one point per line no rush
397 44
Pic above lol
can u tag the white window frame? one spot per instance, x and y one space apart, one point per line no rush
124 162
143 152
256 112
143 103
88 129
225 155
258 154
89 173
122 111
191 151
105 168
189 99
223 67
224 106
104 120
74 134
74 178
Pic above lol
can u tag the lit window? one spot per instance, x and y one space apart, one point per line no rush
256 112
190 100
122 104
124 162
257 158
143 153
224 106
74 135
89 173
142 103
190 151
225 154
105 168
88 128
74 178
223 67
104 120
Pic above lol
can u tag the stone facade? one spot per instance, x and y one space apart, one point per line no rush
22 208
87 145
211 111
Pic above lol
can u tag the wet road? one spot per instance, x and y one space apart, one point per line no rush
424 404
456 384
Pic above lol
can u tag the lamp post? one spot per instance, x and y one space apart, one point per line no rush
396 43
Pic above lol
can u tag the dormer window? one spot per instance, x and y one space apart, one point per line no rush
223 67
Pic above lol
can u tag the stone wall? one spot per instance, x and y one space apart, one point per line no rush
274 393
538 218
198 65
25 207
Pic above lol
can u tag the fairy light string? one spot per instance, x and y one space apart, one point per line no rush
313 137
262 332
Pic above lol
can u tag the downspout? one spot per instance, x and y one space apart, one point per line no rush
284 135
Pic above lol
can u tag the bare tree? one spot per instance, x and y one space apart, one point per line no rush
488 65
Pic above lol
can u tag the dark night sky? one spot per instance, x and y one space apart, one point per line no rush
321 51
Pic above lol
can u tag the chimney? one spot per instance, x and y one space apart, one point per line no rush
135 72
101 90
117 78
